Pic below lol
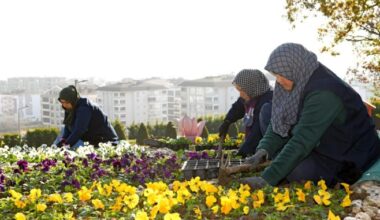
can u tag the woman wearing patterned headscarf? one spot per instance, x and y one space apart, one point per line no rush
320 128
253 105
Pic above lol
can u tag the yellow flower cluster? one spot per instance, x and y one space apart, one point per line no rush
159 200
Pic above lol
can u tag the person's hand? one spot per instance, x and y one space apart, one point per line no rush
61 143
254 182
223 129
259 157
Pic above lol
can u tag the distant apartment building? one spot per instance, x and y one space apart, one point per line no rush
3 86
151 100
51 111
207 96
33 85
15 108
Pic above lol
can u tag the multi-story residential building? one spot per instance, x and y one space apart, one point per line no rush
52 112
3 86
147 100
33 85
19 109
207 96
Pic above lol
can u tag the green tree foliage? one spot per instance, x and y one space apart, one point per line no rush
170 130
356 21
158 130
142 134
40 136
205 133
120 129
132 131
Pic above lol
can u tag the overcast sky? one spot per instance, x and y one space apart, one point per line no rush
140 39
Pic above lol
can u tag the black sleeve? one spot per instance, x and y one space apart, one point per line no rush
236 111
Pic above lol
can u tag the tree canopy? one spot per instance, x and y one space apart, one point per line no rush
356 21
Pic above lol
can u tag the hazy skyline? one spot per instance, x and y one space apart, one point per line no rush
142 39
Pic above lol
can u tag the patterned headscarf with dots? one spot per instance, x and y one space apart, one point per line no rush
296 63
253 82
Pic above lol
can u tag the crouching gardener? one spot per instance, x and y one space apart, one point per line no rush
83 121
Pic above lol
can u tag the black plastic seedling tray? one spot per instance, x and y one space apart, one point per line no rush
205 168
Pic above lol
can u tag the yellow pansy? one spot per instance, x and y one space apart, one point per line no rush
209 188
84 194
55 197
246 210
100 189
346 188
20 216
332 216
225 204
34 194
258 199
153 212
198 140
215 209
131 201
198 212
108 189
300 195
210 200
41 207
282 206
68 197
176 185
346 201
20 204
323 197
118 204
307 185
98 204
141 215
172 216
322 184
15 194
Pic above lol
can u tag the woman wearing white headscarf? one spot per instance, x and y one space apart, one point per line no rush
320 128
253 106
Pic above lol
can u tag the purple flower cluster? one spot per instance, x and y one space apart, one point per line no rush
2 181
22 166
194 155
152 168
46 164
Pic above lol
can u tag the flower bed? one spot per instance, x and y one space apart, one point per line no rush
132 182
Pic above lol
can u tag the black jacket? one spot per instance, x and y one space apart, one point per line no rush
89 124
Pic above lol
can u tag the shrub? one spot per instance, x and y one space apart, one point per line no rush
170 130
205 132
142 134
132 131
40 136
120 129
11 140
